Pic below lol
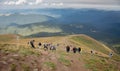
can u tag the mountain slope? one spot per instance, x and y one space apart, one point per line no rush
50 27
91 43
21 19
29 29
99 24
22 57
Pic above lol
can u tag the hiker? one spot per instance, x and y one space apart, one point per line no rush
52 48
39 44
74 50
110 54
91 51
45 47
67 48
58 44
32 43
79 49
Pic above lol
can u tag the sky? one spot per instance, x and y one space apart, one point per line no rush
97 4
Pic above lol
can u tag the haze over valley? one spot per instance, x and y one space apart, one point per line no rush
100 24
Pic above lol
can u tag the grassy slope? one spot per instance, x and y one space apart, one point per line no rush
116 47
97 62
53 60
8 37
91 43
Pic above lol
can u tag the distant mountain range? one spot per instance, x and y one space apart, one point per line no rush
21 19
102 25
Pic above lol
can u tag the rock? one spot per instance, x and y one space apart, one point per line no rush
11 59
4 62
36 69
15 55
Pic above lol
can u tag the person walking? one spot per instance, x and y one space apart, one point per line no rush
79 49
67 48
32 43
39 44
74 50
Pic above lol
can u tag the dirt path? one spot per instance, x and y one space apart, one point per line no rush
76 64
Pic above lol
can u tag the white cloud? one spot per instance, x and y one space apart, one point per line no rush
42 4
38 1
35 3
46 4
5 14
19 2
95 6
56 4
9 3
30 3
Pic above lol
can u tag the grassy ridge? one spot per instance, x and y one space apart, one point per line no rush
12 48
53 60
90 43
97 63
116 47
8 37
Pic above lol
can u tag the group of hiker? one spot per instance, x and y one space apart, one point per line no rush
68 48
50 46
74 49
45 45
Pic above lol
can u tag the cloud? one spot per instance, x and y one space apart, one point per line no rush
9 3
30 3
5 14
56 4
19 2
38 1
44 4
94 6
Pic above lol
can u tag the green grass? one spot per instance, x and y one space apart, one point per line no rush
62 58
64 61
25 67
25 52
90 43
116 48
20 50
63 53
8 48
97 63
13 67
51 65
116 57
5 38
100 65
